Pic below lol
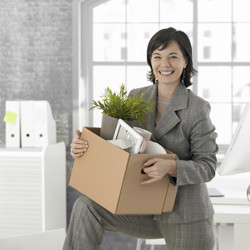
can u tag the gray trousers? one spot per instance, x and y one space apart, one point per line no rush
89 221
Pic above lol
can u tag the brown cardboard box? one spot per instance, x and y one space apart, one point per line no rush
111 177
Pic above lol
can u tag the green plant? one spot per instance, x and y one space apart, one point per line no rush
123 107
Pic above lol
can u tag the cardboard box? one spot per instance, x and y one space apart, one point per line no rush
111 177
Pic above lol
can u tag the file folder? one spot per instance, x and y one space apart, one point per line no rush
12 124
44 124
27 124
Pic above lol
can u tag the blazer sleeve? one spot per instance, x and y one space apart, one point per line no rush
202 166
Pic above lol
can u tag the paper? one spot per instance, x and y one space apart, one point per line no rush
10 117
122 143
154 148
125 132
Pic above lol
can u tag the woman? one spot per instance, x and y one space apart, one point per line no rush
180 122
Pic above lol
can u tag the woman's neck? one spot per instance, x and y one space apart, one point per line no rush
166 91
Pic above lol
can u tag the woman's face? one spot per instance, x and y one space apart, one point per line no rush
168 64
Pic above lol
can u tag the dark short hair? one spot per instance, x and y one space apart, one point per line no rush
161 40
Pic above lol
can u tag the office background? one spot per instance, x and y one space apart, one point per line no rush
36 44
36 64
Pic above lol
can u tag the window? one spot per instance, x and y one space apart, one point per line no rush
223 60
114 38
120 40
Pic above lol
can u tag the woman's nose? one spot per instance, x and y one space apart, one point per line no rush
165 62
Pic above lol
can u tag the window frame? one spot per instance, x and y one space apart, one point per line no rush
83 60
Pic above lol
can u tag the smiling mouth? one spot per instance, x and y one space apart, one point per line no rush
166 73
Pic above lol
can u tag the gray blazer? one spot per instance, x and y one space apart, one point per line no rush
186 130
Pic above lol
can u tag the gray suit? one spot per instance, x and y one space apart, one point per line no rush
186 130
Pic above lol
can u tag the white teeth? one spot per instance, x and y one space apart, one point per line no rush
166 73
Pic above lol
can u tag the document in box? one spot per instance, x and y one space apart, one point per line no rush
124 132
152 147
122 143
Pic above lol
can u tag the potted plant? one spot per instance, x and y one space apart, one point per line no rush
120 106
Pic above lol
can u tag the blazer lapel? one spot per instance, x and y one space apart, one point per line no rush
170 119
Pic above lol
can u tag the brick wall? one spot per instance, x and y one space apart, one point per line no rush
36 57
36 64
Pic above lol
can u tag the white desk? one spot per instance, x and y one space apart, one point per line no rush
234 187
232 226
232 214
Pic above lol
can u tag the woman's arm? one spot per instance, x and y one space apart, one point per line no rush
203 148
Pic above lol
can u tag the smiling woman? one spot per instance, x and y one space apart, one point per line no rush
184 128
170 53
111 50
168 64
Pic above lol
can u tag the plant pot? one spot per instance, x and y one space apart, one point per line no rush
108 127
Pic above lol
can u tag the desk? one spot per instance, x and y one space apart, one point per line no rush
232 224
234 187
232 214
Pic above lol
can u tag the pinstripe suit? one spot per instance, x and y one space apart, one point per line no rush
186 130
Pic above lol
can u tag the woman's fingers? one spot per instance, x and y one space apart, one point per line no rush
78 146
76 155
77 143
78 133
156 169
78 151
151 161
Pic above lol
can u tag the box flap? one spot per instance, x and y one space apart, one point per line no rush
100 171
145 199
171 191
170 198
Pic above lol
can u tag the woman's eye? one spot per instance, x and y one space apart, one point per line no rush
173 57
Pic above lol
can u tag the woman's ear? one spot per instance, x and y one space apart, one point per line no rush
186 62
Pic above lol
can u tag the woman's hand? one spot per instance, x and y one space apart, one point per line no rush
78 146
157 168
